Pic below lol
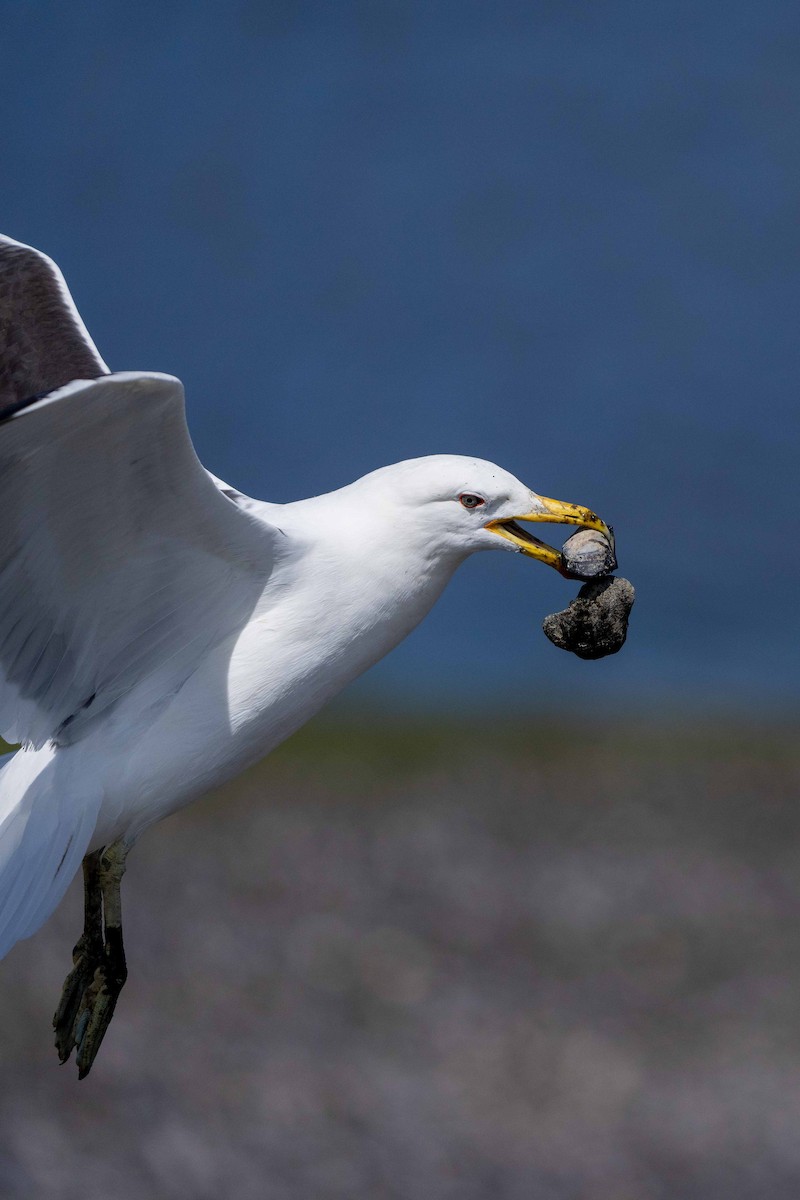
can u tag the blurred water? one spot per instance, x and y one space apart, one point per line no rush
560 236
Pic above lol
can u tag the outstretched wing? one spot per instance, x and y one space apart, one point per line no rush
43 341
120 558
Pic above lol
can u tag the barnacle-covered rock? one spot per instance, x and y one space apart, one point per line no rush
595 623
588 554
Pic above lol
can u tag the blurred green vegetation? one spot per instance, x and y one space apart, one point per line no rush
388 742
398 742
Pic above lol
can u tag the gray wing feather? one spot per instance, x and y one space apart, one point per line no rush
120 558
43 341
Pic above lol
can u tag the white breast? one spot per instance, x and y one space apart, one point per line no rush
325 618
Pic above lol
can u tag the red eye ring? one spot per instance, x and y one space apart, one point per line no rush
470 500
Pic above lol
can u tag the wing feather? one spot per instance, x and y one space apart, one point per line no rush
43 341
119 554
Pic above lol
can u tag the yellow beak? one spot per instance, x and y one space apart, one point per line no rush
557 512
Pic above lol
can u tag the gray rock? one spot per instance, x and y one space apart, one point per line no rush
595 623
588 554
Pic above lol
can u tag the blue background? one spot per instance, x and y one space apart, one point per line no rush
562 236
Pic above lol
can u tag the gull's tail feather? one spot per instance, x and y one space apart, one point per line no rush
44 833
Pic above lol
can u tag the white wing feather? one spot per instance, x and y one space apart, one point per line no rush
119 555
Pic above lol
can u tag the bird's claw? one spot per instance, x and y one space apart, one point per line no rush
88 1001
95 1014
86 956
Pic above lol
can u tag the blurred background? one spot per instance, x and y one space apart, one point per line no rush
503 923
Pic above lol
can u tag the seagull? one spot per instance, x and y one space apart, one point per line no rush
159 630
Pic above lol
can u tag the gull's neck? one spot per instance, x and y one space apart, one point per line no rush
358 567
349 584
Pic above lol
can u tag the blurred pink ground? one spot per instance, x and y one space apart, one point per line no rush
401 962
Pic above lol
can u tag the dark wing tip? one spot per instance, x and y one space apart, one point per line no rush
43 341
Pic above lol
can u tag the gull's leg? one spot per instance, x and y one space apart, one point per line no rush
86 957
99 972
100 998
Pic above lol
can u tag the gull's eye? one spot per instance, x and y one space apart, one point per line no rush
470 500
